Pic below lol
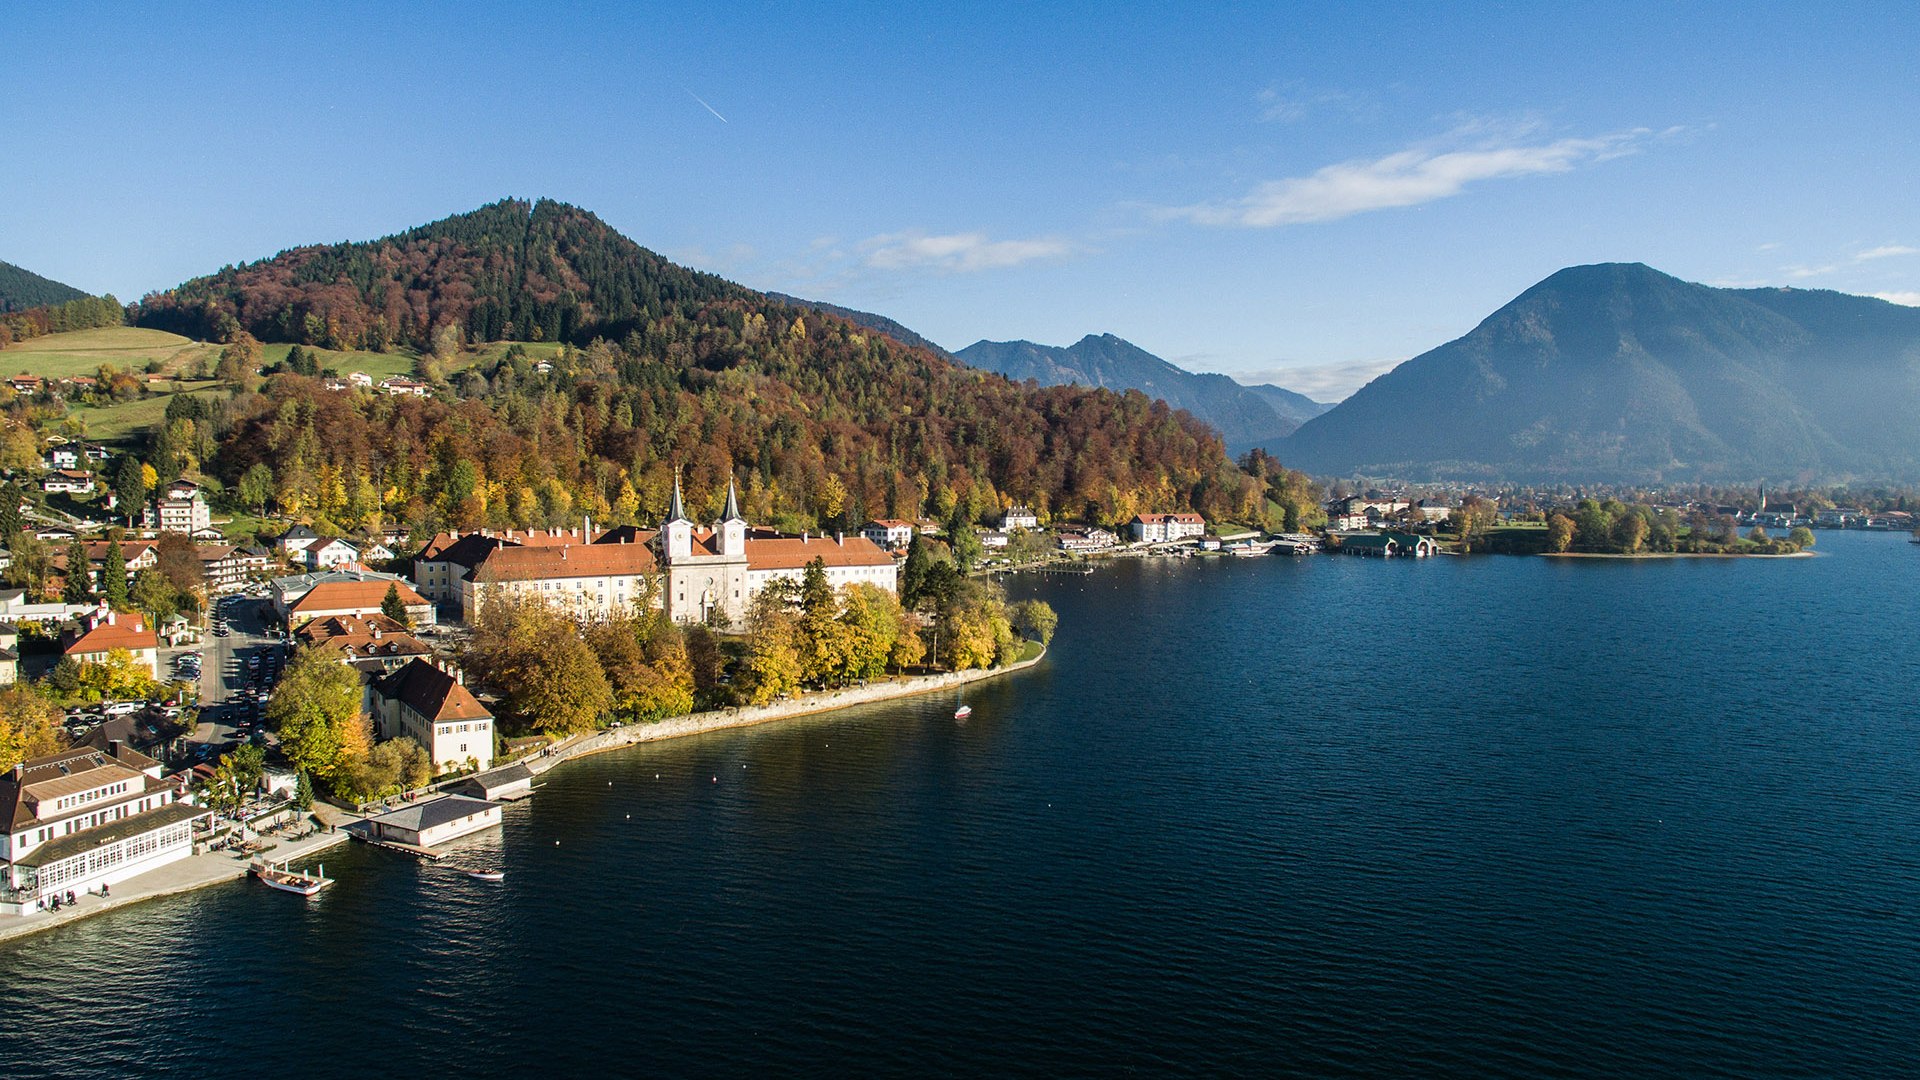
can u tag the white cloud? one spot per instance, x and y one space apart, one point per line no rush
1804 272
1321 382
1885 251
1907 298
957 252
1407 178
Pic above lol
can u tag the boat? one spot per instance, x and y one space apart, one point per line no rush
963 712
487 875
286 879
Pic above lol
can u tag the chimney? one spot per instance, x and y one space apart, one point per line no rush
840 538
803 536
459 678
586 530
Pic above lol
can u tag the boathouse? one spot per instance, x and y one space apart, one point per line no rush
434 821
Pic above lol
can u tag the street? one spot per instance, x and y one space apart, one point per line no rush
234 668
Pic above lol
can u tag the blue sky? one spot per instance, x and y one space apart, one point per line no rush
1302 193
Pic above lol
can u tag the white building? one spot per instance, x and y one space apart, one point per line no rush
434 821
327 552
432 706
86 818
402 385
104 630
72 481
889 533
1160 528
1019 517
179 507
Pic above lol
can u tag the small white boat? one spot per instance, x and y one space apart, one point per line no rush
487 875
963 712
286 879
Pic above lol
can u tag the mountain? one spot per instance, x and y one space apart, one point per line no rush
23 289
1617 372
512 270
1245 416
879 324
823 423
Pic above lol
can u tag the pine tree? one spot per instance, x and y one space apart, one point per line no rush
393 607
113 573
79 586
130 486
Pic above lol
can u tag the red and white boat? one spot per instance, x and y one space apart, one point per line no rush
963 712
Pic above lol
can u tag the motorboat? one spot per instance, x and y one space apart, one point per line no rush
963 712
287 879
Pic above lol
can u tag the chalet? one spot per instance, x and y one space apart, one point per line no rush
890 534
401 385
1161 528
86 818
27 384
431 705
327 552
104 630
72 481
295 541
64 457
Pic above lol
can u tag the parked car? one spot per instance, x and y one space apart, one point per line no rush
125 708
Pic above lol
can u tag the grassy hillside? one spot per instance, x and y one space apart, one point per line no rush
119 424
80 352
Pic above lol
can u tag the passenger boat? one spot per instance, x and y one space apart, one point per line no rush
487 875
963 712
286 879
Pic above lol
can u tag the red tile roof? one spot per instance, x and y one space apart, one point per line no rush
352 596
792 552
125 632
568 561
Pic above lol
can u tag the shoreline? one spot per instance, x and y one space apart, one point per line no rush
701 723
209 868
1674 555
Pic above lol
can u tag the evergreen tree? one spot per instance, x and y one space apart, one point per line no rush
913 575
393 607
79 586
130 486
10 521
113 572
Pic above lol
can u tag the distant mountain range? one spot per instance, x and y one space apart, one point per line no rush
1245 416
1617 372
22 289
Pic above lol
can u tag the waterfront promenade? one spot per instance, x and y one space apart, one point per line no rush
192 872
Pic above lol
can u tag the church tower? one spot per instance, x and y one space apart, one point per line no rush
677 531
732 527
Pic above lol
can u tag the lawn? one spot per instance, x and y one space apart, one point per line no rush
117 423
81 352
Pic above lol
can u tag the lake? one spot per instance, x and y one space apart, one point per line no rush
1323 817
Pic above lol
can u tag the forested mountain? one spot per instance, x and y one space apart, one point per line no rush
1245 416
510 271
1617 372
823 422
22 289
867 319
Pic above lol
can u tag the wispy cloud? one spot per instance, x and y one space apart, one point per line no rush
957 252
1293 102
1885 251
1410 177
1321 382
1908 298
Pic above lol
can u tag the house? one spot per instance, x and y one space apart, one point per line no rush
435 821
295 541
94 453
1389 544
1086 538
327 552
1161 528
1019 517
86 818
228 567
179 508
374 644
400 384
507 782
891 534
994 540
64 457
72 481
355 598
336 384
9 654
104 630
26 384
375 551
431 705
360 380
17 607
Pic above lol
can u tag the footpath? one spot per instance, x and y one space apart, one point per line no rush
192 872
747 716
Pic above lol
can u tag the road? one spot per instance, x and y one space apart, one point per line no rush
225 675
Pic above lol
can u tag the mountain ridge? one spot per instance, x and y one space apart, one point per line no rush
22 289
1619 372
1245 416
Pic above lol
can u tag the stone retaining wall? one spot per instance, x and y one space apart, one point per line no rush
747 716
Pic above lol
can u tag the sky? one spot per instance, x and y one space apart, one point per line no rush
1303 194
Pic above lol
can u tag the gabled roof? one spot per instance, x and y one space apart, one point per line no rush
352 596
569 561
794 552
420 817
125 632
431 692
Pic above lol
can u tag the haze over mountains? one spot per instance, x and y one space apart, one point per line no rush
1245 416
1617 372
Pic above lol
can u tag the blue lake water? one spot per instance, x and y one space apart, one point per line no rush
1321 817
